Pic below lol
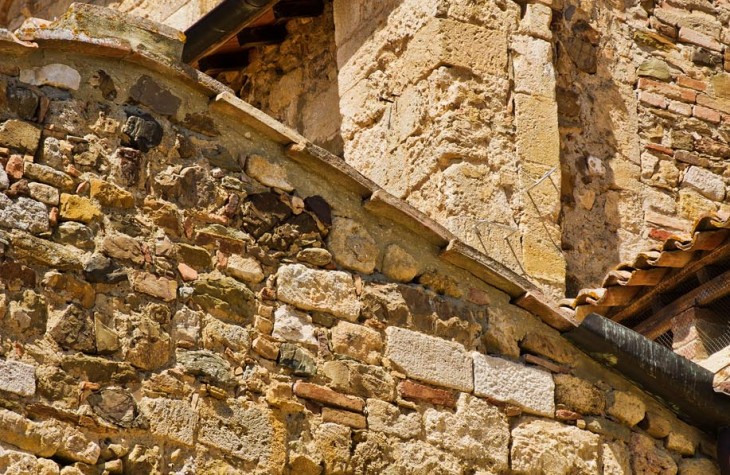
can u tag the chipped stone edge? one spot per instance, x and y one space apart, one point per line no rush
299 149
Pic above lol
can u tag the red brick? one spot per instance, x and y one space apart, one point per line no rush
654 100
327 396
15 167
567 415
688 35
671 91
696 84
680 108
663 29
439 397
660 234
712 103
655 147
705 113
346 418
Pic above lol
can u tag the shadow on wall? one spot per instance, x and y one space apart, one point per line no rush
590 106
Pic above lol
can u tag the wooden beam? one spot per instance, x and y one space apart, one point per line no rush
262 35
703 295
216 63
644 302
287 9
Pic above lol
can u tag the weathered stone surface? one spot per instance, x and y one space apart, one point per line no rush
610 429
20 135
4 180
150 284
429 359
144 133
697 467
48 175
23 213
56 75
333 442
359 379
324 291
219 336
121 246
20 463
292 325
224 297
541 446
109 194
17 378
647 458
43 440
615 458
148 92
246 269
78 208
681 442
477 432
172 419
44 193
75 234
73 329
352 246
655 68
207 366
388 419
398 264
530 388
114 405
315 256
44 252
149 347
268 173
300 361
345 418
626 407
357 341
328 396
707 183
578 395
246 431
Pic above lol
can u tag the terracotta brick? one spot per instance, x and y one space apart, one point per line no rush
705 113
691 158
712 147
655 147
663 29
680 108
696 84
669 90
654 100
660 234
696 38
346 418
440 397
712 103
325 395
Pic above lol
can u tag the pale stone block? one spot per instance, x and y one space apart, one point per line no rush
17 378
532 63
536 21
360 342
707 183
388 419
268 173
291 325
531 389
478 432
430 359
171 419
536 121
56 75
540 446
324 291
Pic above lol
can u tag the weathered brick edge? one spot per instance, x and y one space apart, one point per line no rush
107 39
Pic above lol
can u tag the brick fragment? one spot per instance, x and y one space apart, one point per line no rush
680 108
660 234
327 396
669 90
408 389
345 418
665 30
696 84
654 100
707 114
655 147
688 35
712 103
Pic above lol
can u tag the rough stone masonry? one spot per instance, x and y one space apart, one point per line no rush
186 286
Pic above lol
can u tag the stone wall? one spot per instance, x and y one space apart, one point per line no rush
186 286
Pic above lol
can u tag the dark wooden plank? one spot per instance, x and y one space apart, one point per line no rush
287 9
644 302
262 35
703 295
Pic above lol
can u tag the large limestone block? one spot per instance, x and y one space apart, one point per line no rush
17 378
707 183
536 121
24 214
481 50
20 135
56 75
478 432
540 446
530 388
533 66
318 290
172 419
388 419
429 359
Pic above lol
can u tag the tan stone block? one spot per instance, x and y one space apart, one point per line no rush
150 284
540 258
387 418
536 123
656 425
536 21
78 208
109 194
327 396
345 418
532 63
626 407
360 342
578 394
441 41
681 443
